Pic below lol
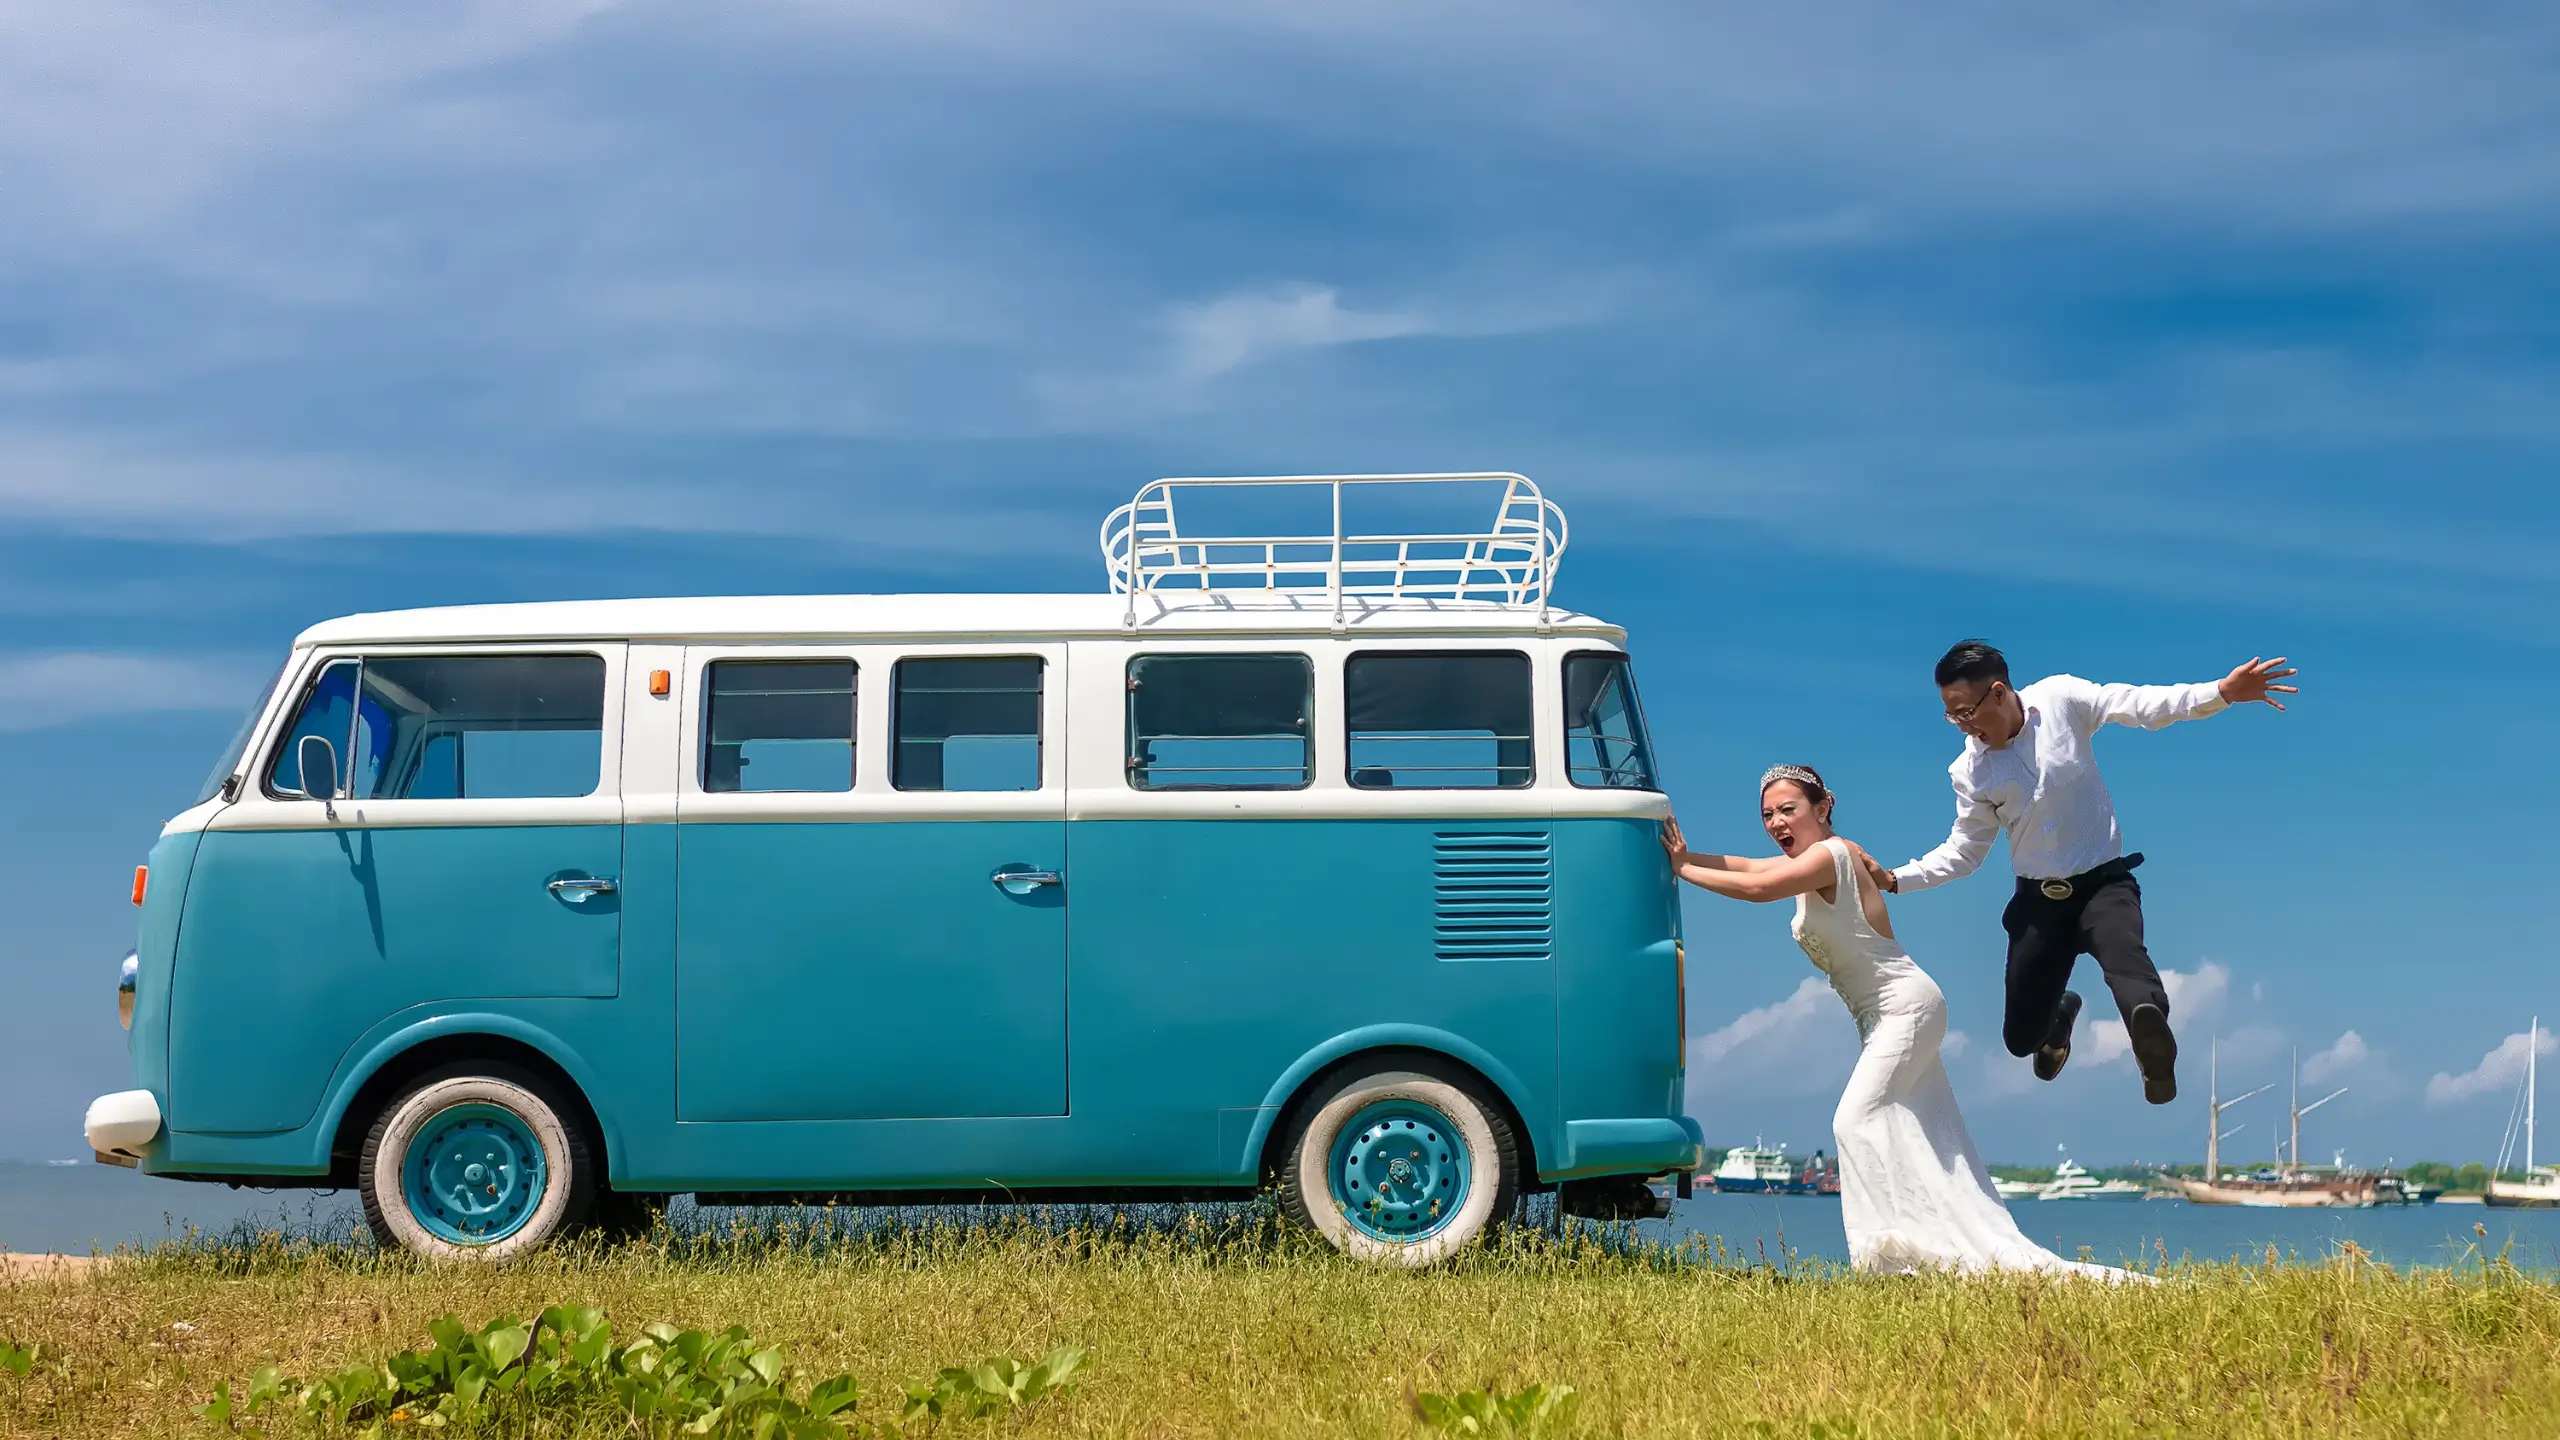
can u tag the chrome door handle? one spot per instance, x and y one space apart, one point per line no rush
576 890
1021 882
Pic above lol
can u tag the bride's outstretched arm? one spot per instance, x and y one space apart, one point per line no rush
1743 878
1681 854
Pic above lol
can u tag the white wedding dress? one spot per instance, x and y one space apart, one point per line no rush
1913 1195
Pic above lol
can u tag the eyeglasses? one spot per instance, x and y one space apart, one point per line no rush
1965 715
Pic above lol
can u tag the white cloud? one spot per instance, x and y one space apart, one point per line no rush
44 690
1956 1043
2349 1052
1797 1049
2194 998
2498 1071
1766 1030
1235 330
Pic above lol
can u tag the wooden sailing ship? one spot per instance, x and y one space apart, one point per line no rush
2287 1184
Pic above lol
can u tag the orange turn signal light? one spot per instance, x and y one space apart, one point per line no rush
141 882
660 682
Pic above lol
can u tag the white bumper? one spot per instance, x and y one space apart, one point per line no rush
122 1123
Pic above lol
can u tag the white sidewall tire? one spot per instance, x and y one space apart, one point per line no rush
1309 1181
385 1192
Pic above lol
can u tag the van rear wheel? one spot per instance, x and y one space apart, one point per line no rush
475 1162
1403 1165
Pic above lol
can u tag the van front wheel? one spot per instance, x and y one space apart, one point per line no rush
1405 1166
475 1164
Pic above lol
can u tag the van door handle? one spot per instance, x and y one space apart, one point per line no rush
576 889
1021 882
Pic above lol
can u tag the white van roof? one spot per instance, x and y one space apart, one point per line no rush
801 617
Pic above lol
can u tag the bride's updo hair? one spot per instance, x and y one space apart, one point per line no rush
1806 779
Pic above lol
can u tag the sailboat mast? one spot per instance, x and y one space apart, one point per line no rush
2213 1113
2295 1107
2532 1050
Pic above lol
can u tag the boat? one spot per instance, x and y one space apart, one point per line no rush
1757 1169
1820 1177
2287 1185
2540 1187
2272 1187
2070 1182
2017 1189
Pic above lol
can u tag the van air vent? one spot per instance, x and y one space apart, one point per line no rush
1494 894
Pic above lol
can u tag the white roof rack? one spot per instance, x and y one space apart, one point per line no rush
1511 562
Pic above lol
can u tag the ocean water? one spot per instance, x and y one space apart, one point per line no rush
2117 1231
77 1209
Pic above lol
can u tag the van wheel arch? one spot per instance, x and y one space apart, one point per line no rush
1387 1057
386 1084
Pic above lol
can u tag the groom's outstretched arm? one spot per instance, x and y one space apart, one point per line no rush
1960 854
2149 707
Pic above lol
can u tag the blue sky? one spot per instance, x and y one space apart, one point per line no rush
2139 342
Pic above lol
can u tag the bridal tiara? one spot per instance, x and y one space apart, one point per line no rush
1797 773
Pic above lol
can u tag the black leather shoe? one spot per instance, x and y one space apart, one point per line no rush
2055 1052
2156 1051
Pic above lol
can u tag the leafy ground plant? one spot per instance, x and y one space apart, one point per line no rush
668 1382
1538 1410
993 1387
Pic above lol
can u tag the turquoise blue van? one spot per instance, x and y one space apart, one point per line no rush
1322 864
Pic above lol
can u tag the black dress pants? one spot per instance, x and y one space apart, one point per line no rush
2103 918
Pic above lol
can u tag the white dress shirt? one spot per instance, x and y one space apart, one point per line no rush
2043 787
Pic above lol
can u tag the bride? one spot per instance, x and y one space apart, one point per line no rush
1913 1195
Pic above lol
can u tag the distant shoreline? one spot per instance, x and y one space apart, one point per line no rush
14 1268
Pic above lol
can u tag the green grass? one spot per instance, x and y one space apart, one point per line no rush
1231 1328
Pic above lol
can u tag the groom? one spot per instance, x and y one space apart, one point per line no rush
2027 770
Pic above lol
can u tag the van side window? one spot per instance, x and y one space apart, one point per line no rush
1605 747
479 727
1447 721
967 723
1221 722
776 725
454 727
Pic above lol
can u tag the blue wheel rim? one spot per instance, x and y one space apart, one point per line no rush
1400 1171
474 1174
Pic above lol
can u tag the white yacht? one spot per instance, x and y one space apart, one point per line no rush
2540 1187
2070 1182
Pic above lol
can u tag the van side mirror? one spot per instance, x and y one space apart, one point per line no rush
319 762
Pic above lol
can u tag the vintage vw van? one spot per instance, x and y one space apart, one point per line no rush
1325 863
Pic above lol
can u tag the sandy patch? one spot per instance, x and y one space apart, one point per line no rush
48 1267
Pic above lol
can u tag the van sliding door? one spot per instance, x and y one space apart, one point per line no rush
872 884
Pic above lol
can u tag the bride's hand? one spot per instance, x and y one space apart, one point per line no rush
1672 841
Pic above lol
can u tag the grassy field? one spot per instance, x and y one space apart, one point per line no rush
1233 1329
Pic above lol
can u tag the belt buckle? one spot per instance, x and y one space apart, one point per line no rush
2055 889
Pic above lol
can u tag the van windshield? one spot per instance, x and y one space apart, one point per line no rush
239 745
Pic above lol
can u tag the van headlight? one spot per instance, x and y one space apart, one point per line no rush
126 976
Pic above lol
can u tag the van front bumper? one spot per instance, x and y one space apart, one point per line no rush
1631 1147
120 1125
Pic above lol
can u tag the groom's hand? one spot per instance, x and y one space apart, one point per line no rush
2256 681
1672 842
1882 877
